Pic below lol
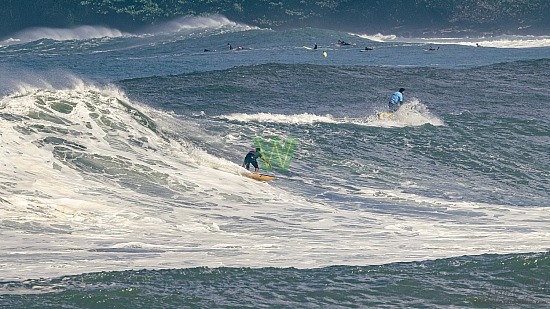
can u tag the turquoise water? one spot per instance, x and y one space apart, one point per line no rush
122 153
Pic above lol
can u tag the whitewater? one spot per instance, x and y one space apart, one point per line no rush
122 153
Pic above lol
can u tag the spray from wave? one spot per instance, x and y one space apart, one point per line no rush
193 23
379 37
180 25
59 34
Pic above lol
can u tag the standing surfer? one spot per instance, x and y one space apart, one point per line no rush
251 158
396 100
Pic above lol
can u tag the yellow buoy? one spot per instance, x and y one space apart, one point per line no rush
325 54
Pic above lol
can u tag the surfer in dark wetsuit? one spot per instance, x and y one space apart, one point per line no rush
251 158
239 47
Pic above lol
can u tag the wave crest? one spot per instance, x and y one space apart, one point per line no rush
413 113
500 41
60 34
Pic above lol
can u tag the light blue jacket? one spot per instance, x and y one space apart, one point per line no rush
396 97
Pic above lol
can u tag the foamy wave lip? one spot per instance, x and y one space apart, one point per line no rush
511 41
60 34
379 37
502 41
190 22
12 40
413 113
304 118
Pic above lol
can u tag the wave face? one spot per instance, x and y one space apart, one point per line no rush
121 179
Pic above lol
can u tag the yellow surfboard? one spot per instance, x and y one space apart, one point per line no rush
383 116
259 177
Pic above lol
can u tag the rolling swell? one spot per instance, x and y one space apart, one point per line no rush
479 281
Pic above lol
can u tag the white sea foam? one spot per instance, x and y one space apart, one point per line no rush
99 188
379 37
509 42
502 41
304 118
413 113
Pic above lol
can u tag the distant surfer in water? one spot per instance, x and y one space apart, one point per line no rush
251 158
396 100
343 42
237 48
315 47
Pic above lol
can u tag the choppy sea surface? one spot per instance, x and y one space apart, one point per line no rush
121 183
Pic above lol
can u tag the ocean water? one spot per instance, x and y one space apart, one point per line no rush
121 184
